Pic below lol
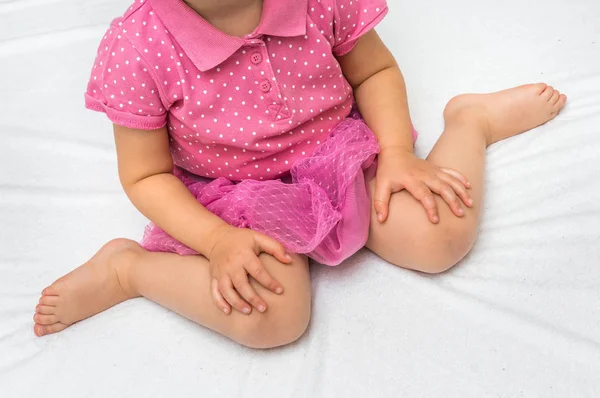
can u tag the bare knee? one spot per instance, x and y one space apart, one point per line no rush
287 316
274 329
428 248
444 247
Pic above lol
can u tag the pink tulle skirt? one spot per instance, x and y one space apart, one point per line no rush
323 212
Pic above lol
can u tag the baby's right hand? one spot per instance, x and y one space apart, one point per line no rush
233 257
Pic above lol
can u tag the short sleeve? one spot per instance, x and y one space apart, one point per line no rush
354 18
122 87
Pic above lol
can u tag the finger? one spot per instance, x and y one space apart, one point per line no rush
447 193
381 200
258 271
424 195
458 176
241 284
270 246
458 188
218 297
232 296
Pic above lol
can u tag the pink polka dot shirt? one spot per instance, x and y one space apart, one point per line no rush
235 107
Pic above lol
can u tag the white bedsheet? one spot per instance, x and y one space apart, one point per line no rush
519 317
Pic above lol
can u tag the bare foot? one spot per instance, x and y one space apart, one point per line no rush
509 112
92 288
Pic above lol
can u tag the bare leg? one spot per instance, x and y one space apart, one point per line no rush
473 122
123 270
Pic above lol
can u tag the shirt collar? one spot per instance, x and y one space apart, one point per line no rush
208 47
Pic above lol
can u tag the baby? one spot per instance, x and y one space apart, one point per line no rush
256 134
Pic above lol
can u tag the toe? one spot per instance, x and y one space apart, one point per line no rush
45 309
547 93
562 100
38 330
539 87
45 319
555 96
42 330
49 300
50 291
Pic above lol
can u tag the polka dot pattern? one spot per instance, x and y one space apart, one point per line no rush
261 102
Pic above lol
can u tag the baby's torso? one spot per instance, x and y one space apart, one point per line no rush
254 115
245 113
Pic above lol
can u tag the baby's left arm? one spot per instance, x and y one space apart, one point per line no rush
380 93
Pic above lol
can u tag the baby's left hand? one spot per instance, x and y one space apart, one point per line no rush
400 170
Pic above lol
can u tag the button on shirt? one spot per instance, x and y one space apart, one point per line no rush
239 108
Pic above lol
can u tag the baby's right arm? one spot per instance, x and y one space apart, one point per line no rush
146 174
